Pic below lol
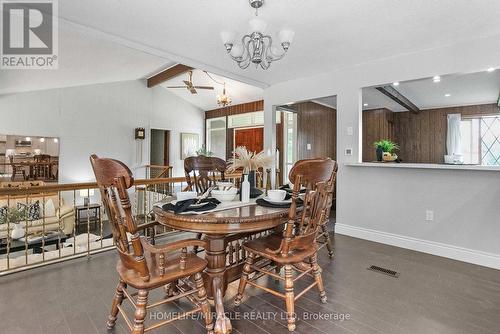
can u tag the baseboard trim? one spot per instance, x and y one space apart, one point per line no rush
486 259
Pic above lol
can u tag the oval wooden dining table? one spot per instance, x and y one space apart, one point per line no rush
219 228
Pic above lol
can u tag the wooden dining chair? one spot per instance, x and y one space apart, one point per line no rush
42 166
298 241
141 265
324 239
202 171
16 169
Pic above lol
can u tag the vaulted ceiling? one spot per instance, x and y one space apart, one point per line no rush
329 34
112 40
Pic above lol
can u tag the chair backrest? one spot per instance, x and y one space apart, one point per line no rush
318 177
114 179
42 158
201 172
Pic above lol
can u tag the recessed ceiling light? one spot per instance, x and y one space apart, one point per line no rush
365 104
56 140
28 138
395 83
491 69
447 95
436 78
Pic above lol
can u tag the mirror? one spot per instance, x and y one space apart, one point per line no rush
29 158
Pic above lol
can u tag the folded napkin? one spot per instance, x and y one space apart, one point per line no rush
263 202
187 205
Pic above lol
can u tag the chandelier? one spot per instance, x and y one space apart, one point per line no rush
224 100
256 47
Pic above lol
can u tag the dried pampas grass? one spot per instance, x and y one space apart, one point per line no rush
249 161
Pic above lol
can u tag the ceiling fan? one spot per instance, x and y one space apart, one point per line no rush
189 85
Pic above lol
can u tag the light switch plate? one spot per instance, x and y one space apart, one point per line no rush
350 131
308 146
348 151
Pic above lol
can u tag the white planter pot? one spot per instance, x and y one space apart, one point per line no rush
17 231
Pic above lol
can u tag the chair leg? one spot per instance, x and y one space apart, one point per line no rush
316 270
116 301
277 270
205 306
195 248
289 298
328 240
140 312
247 270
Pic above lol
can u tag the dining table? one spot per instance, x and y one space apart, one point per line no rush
225 230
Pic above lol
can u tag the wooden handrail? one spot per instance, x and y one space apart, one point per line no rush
51 188
157 166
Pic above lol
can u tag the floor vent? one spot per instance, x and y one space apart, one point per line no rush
384 271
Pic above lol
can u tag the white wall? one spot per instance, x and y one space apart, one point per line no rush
466 203
97 119
171 112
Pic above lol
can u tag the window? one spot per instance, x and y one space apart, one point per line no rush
481 140
216 136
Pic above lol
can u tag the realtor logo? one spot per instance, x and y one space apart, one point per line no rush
29 35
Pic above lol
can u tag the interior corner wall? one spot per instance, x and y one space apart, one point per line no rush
465 203
171 112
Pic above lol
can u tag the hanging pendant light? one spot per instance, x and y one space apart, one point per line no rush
223 100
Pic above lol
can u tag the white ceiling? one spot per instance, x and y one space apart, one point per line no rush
115 40
84 59
207 99
329 101
343 32
464 89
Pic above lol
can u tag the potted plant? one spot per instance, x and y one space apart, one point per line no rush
204 152
250 162
14 216
385 148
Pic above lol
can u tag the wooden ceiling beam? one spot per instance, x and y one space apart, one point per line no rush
399 98
167 74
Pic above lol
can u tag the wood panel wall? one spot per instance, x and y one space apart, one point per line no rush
422 136
235 109
316 125
377 124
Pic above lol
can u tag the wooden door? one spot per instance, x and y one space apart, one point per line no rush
251 138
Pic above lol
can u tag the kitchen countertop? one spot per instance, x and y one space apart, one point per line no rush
423 166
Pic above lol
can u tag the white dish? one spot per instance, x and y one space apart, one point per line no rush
285 201
225 195
276 195
222 184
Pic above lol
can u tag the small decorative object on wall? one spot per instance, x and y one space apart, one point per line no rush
140 133
385 148
190 142
250 162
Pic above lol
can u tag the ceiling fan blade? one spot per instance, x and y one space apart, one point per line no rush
192 90
188 83
176 86
203 87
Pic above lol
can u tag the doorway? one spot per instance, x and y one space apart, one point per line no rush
251 138
160 147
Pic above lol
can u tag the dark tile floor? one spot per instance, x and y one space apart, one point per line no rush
432 295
